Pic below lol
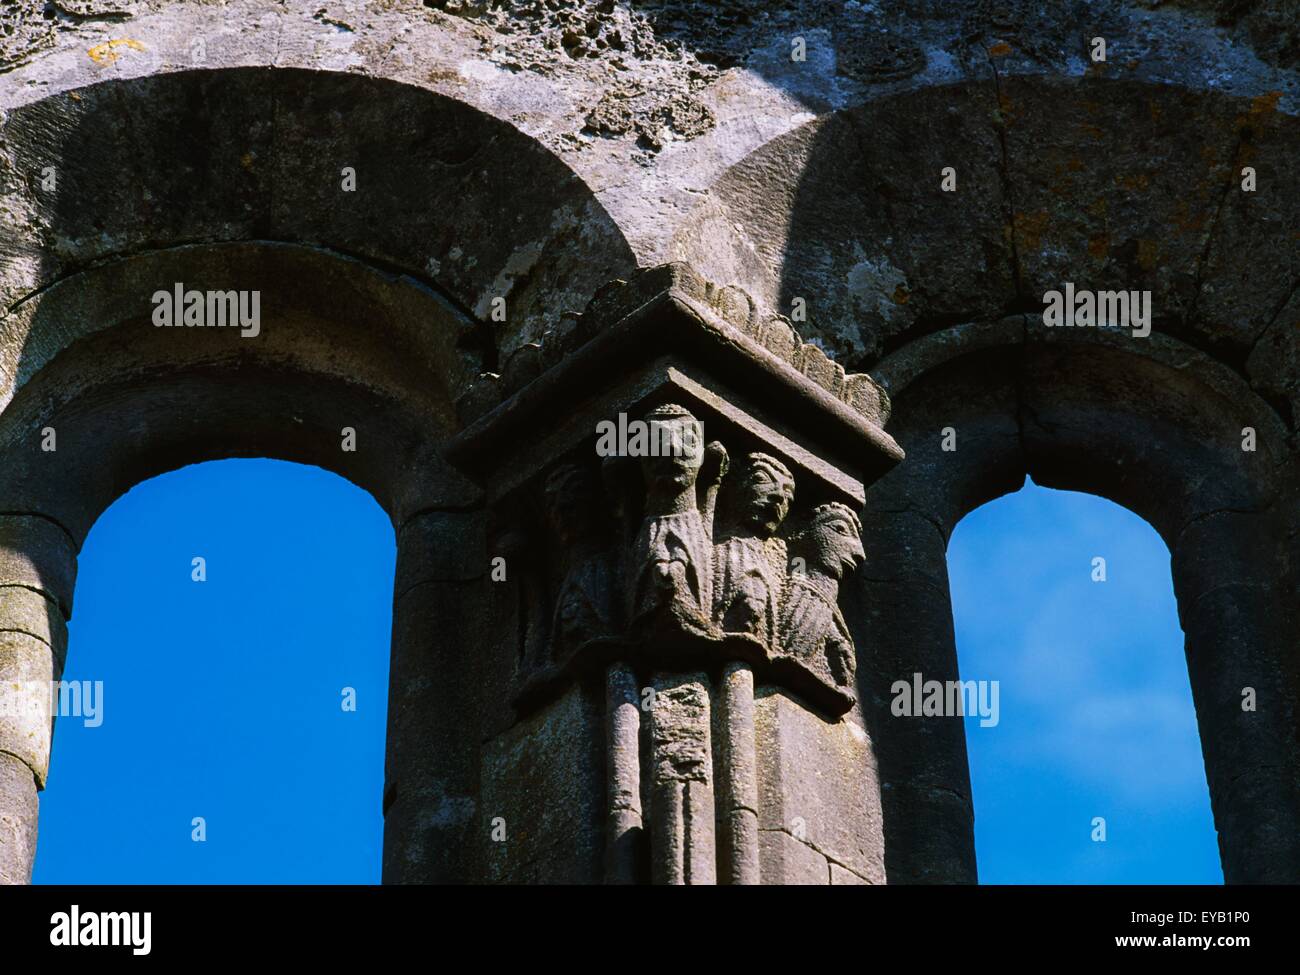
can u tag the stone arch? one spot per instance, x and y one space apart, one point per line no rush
446 193
1154 426
847 212
375 315
937 295
341 344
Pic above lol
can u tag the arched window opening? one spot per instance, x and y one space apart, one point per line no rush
229 651
1088 769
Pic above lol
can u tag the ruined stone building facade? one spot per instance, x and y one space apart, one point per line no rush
810 241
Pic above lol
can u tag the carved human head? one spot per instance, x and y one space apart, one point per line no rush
572 498
676 448
833 539
765 492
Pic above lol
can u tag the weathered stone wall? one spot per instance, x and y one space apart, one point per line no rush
692 128
535 151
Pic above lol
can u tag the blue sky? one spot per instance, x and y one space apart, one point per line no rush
222 699
1096 707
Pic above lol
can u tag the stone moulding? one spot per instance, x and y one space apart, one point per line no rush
670 310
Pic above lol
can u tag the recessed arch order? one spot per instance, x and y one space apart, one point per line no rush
373 297
1107 183
1154 426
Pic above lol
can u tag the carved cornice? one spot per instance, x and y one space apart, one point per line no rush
726 306
670 314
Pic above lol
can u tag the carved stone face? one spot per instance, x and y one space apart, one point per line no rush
765 500
678 470
836 544
571 502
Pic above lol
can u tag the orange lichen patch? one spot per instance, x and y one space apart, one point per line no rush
1074 164
1098 208
108 52
1133 181
246 160
1095 131
1099 247
1148 253
1153 107
445 75
1000 50
1030 227
901 295
1267 102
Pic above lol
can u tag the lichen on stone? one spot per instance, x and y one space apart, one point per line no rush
656 117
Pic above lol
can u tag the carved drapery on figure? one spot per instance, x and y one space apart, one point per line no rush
812 630
750 561
585 602
712 559
672 557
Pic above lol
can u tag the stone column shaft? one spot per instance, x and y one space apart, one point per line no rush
623 775
37 570
738 775
1238 610
902 606
683 850
431 771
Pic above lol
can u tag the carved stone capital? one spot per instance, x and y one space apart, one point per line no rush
673 480
680 480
